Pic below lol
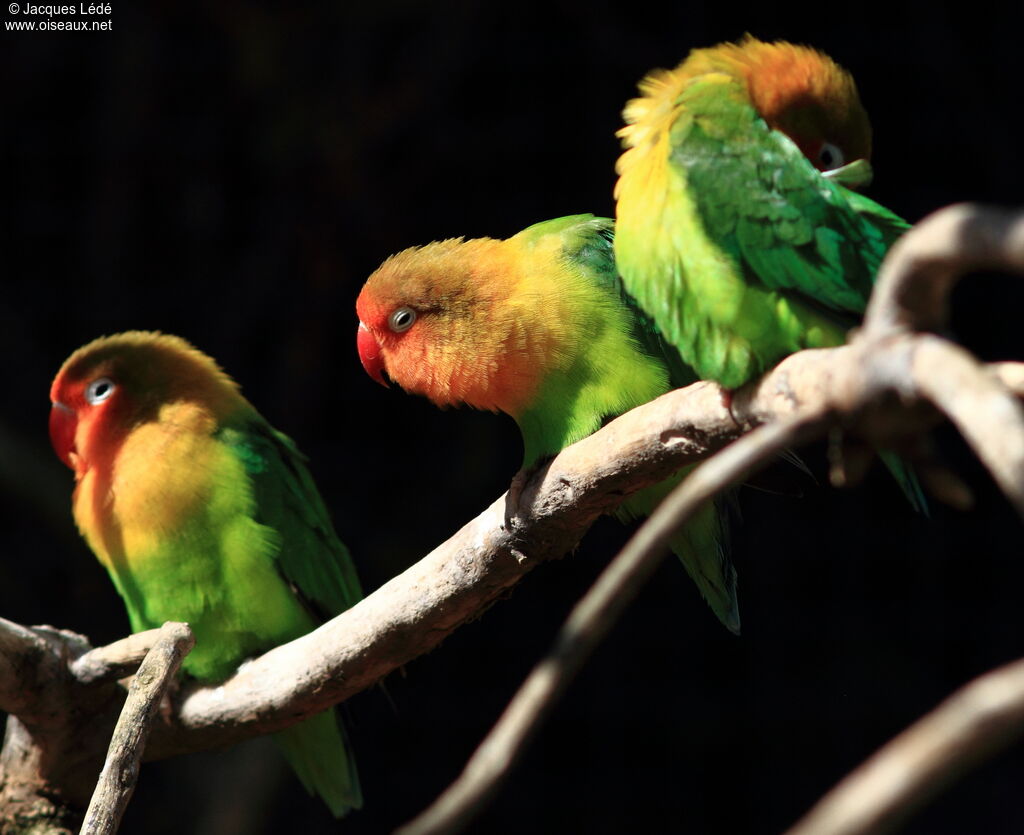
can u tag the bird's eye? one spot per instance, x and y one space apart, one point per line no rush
402 319
99 390
830 156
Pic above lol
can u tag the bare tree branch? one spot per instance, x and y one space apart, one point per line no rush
20 649
592 618
890 385
416 610
975 723
984 410
121 769
888 358
917 277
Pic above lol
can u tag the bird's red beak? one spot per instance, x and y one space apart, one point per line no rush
63 423
370 354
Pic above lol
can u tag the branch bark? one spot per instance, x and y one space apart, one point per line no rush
975 723
415 611
891 359
592 619
914 284
20 652
116 660
891 384
121 769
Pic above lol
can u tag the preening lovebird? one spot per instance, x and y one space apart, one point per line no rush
202 512
736 230
537 326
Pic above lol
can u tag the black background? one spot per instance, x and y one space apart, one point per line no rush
232 174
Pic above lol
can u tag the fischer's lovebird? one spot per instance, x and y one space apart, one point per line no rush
735 228
536 326
202 512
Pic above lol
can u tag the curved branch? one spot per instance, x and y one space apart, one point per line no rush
415 611
917 277
979 405
592 618
973 724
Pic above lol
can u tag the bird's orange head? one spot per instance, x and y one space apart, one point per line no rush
797 90
449 321
113 384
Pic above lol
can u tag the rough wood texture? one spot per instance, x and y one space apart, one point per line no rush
887 358
891 385
116 660
975 723
49 759
121 769
591 619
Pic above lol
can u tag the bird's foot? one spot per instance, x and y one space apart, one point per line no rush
727 403
514 496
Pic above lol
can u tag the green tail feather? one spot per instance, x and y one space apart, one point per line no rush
319 754
701 547
907 480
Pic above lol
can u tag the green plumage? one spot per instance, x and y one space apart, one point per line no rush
537 326
618 361
736 245
779 258
322 582
203 513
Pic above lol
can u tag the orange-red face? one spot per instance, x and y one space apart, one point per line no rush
88 405
398 319
108 387
417 324
382 323
438 320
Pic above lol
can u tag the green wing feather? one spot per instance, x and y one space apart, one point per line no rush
587 242
317 566
754 254
789 227
736 245
766 206
311 558
702 546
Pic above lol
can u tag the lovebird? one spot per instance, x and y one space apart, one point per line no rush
536 326
735 229
202 512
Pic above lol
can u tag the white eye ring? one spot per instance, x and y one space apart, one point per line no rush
99 390
401 319
830 157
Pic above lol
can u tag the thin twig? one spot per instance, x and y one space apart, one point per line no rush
121 769
116 660
594 616
979 720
